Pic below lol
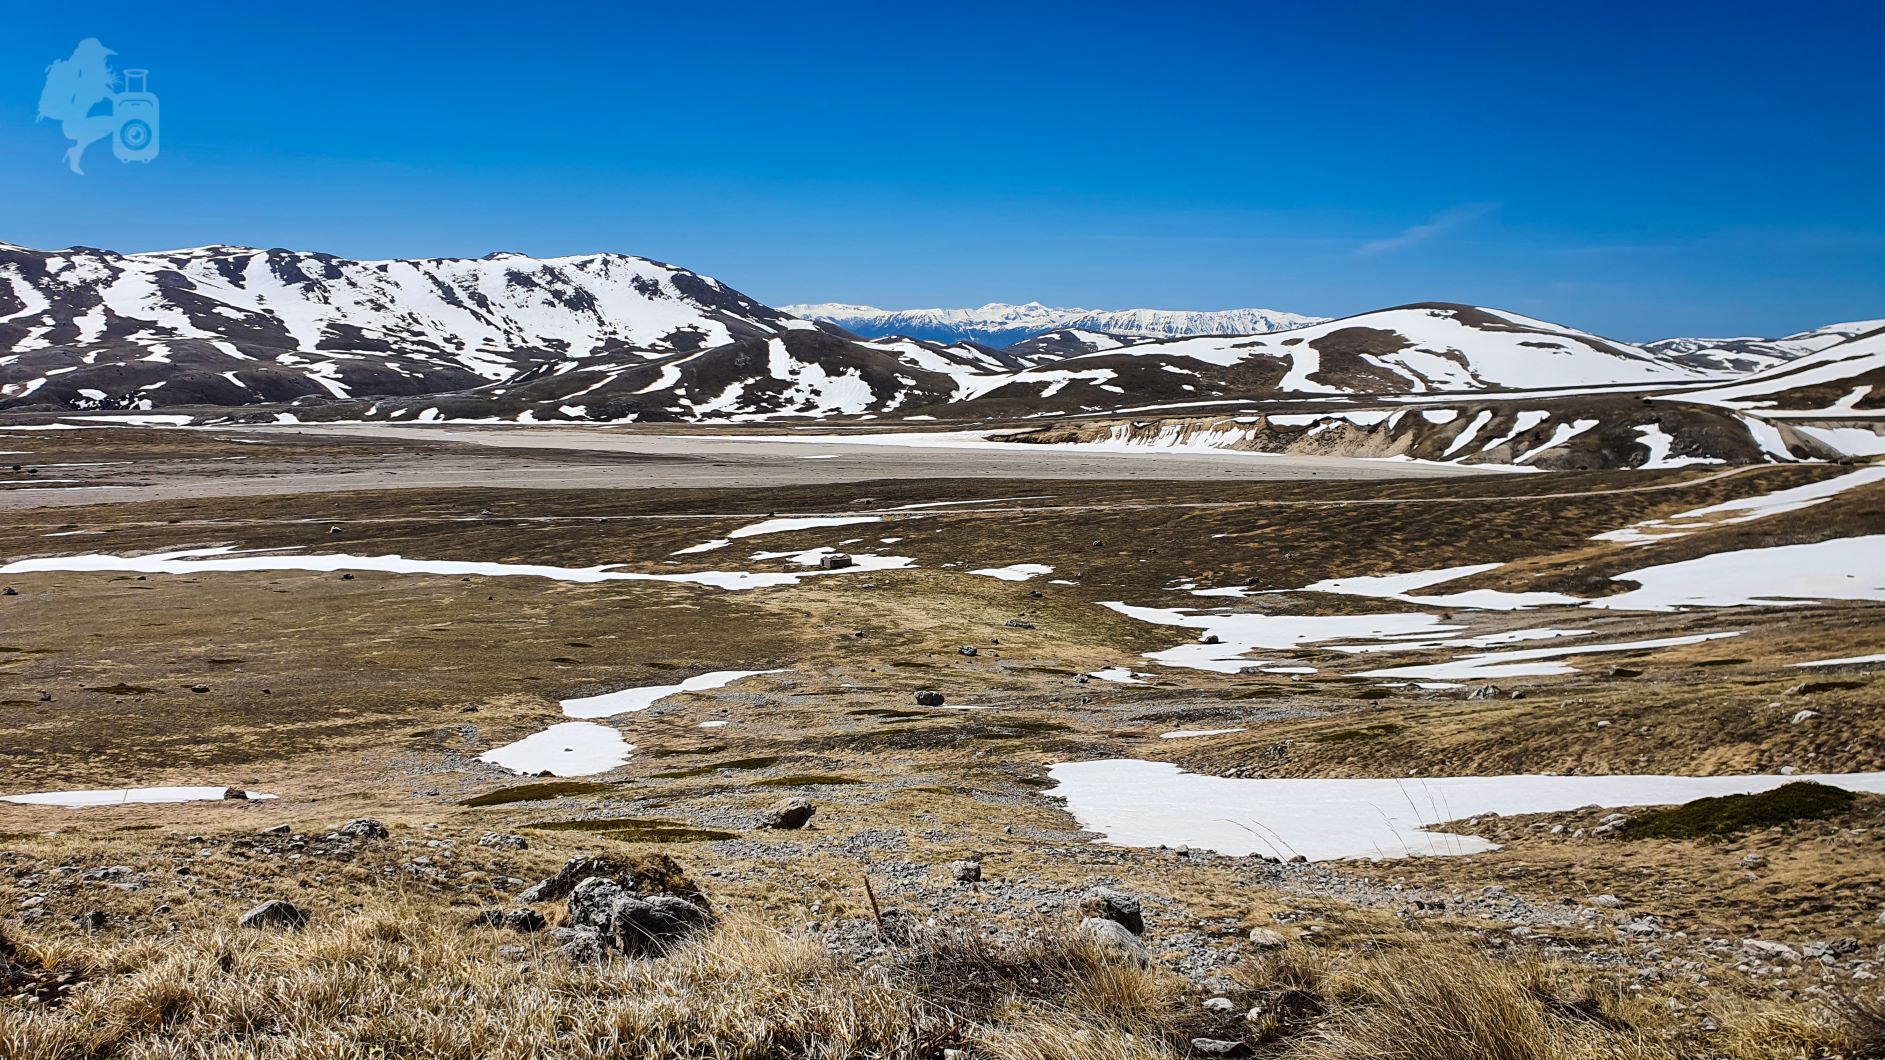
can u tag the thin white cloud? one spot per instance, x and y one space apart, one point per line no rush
1443 222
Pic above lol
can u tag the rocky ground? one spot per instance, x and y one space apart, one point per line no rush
934 844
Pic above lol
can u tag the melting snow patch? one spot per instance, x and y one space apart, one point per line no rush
1015 572
1402 587
610 704
1851 660
221 560
572 749
1145 804
1186 734
1532 662
1236 634
1850 568
1747 509
125 796
1119 675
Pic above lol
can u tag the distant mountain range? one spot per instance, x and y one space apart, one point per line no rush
611 338
1001 325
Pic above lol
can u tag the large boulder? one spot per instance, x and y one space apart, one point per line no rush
1104 903
641 873
1112 938
632 924
791 813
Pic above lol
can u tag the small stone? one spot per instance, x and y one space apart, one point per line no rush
525 921
199 688
1266 939
1803 715
1217 1047
364 828
791 813
235 795
279 829
1219 1004
969 650
503 840
929 697
275 915
1606 901
966 871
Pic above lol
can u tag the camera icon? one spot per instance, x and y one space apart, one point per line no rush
134 114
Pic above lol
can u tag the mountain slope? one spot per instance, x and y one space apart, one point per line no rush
1756 354
999 325
254 325
1413 349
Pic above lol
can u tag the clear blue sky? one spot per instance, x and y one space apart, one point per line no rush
1636 169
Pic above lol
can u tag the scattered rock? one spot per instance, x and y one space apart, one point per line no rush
279 829
1104 903
1486 692
503 840
1218 1047
969 650
275 915
791 813
1111 937
929 697
1800 716
966 871
1015 623
1219 1004
364 828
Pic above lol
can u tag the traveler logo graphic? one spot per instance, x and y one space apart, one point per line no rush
82 95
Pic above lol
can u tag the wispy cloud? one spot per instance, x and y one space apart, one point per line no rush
1443 222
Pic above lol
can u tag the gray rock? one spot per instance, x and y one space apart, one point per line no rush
1217 1047
632 924
966 871
364 828
275 915
1265 939
791 813
1107 904
834 561
969 650
525 921
503 841
929 698
580 945
1110 936
279 829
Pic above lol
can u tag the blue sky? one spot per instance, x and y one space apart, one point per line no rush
1638 170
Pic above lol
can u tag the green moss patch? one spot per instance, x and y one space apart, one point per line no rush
638 830
1730 814
549 789
760 762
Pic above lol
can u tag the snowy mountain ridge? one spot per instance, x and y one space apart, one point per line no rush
999 324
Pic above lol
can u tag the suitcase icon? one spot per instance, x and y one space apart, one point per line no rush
135 110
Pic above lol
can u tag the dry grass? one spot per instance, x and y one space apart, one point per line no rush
404 980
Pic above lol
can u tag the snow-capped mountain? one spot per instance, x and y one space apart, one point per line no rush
231 325
1412 349
1755 354
998 324
1845 377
